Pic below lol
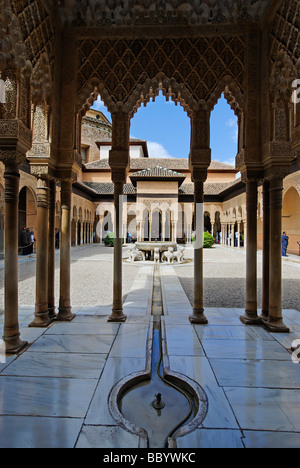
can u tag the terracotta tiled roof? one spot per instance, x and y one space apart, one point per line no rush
157 171
209 188
174 164
107 188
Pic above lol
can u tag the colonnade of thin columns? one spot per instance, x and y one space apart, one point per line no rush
83 233
271 314
227 228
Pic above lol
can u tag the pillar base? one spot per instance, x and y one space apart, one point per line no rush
250 318
264 317
14 345
65 315
41 320
198 317
276 325
117 316
52 313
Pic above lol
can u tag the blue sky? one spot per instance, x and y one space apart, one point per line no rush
166 127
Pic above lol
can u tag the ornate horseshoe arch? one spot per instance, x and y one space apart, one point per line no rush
232 93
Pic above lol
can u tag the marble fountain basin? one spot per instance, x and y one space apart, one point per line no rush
150 246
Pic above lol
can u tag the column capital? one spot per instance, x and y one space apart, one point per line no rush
42 193
252 174
199 174
276 172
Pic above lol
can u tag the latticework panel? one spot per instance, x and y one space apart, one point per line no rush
199 64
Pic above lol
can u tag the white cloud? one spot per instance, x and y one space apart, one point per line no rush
234 134
231 123
157 150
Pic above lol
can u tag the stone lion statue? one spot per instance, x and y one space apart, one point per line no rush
156 255
168 256
135 254
179 254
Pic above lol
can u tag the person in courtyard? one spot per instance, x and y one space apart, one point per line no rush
32 241
57 236
236 239
285 243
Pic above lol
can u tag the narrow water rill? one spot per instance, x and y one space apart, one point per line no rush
158 405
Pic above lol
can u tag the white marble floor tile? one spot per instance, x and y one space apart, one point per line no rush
268 374
98 320
31 334
286 339
6 361
265 409
198 369
232 332
80 344
38 396
131 341
276 440
245 349
33 432
106 437
183 341
83 329
76 366
114 370
211 438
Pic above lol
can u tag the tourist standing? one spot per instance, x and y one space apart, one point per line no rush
285 243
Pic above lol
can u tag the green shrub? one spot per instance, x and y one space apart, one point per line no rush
109 240
208 240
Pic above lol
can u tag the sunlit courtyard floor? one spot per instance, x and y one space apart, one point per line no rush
56 393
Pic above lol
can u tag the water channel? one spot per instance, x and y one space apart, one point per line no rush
159 406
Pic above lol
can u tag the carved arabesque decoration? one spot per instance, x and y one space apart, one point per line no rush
42 88
12 47
37 28
283 73
15 71
285 32
41 82
187 70
169 88
232 93
92 13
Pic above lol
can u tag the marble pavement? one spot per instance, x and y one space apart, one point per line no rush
55 393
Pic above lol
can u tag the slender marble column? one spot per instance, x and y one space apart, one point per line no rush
239 235
11 335
117 310
275 322
65 310
51 252
41 318
81 233
266 251
250 317
198 315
